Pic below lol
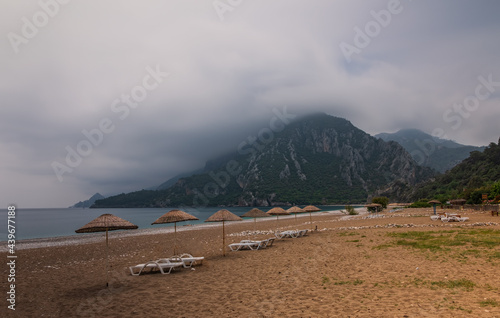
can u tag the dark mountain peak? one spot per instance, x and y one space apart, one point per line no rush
316 159
426 150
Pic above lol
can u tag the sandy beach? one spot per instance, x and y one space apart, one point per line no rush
351 266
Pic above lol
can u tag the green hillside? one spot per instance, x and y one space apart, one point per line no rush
428 151
478 174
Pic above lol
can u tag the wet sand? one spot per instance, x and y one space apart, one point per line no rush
349 267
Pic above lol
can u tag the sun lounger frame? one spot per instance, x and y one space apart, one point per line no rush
162 265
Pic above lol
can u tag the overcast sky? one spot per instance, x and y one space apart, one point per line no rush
162 86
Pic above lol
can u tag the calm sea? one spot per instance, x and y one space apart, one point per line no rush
43 223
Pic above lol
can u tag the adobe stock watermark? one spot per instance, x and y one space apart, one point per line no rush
95 137
31 26
222 7
251 146
364 36
457 114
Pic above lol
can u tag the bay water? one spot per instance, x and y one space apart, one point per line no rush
44 223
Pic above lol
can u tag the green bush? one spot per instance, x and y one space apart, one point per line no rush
384 201
350 210
420 204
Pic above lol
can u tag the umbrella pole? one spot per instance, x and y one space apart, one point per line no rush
107 256
254 225
175 238
223 240
311 219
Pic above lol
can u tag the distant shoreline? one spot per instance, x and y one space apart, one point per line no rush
89 238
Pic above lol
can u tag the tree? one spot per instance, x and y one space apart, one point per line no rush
495 189
384 201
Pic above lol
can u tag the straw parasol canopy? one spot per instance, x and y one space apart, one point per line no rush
255 213
277 211
174 216
295 210
311 208
105 223
458 201
223 216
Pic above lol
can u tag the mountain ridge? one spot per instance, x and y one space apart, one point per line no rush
428 151
317 159
88 203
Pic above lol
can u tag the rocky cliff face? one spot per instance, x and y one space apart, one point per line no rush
320 160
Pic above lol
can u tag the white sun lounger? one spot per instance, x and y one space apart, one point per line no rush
269 242
289 233
251 245
188 260
454 218
163 265
302 233
438 216
265 243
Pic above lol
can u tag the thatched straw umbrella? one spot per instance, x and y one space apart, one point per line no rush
223 216
458 201
277 211
310 209
295 210
105 223
174 216
434 202
255 213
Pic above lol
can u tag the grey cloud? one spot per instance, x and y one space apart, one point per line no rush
225 79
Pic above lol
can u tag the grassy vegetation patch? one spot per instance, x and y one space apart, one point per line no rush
477 242
325 280
348 282
463 283
495 255
489 303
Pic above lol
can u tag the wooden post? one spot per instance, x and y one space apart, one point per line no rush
175 238
107 257
223 240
